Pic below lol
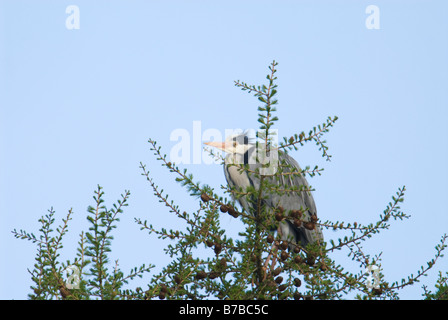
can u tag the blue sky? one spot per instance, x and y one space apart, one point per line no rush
78 106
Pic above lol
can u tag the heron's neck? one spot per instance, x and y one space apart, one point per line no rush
240 158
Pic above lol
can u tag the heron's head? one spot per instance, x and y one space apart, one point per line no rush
234 144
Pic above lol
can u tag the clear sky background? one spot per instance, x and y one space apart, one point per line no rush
78 106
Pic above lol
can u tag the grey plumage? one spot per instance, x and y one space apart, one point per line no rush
243 151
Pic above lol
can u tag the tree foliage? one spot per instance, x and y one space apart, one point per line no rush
206 262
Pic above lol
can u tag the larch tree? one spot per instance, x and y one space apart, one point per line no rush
255 265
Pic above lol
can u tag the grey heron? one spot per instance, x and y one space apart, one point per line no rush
296 196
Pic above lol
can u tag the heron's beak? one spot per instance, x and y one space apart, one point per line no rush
219 145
